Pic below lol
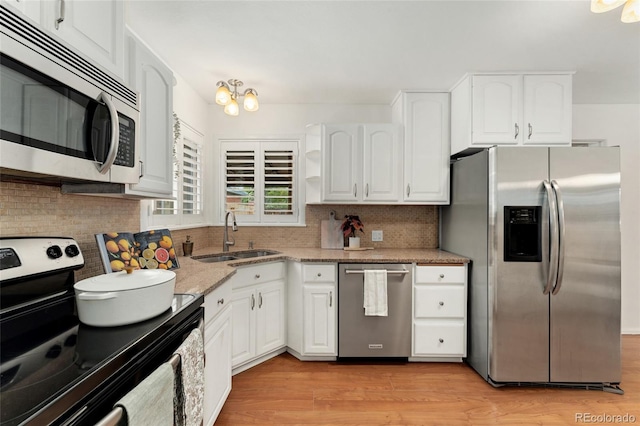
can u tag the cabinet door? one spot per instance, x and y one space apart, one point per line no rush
149 76
217 370
244 329
497 109
270 317
95 28
319 324
341 163
426 148
381 167
547 109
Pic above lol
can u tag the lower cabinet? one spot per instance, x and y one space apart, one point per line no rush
217 349
439 313
312 308
258 312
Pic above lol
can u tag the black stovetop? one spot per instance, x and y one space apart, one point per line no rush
47 353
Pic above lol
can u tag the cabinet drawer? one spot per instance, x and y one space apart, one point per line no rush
216 301
440 301
440 274
439 338
256 274
319 273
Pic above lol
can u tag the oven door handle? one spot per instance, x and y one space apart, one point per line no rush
97 296
115 134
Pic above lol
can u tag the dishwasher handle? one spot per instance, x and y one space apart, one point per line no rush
361 271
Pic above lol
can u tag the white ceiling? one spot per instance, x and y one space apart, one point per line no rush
363 52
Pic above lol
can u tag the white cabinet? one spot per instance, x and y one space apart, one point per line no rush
28 8
356 163
259 329
217 348
95 28
439 313
425 116
149 76
511 109
312 310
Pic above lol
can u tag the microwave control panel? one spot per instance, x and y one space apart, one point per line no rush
127 145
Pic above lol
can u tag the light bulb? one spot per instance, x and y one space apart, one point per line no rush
223 96
599 6
251 101
631 12
232 108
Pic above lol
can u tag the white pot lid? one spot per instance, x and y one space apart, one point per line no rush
121 281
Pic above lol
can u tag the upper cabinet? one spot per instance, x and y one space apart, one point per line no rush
511 109
355 163
425 116
95 28
149 76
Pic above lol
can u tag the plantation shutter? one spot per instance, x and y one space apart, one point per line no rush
240 180
279 203
260 180
191 177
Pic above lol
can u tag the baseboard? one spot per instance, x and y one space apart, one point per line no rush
311 358
631 331
435 359
259 360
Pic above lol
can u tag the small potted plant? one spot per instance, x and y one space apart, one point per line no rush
349 227
187 246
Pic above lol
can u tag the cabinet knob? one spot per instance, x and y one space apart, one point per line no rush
441 303
319 274
441 340
221 301
257 276
441 275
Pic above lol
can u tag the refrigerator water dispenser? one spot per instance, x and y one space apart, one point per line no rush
522 234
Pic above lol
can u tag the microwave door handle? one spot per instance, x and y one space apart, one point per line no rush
115 134
561 230
553 238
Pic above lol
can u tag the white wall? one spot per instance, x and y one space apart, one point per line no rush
189 106
292 119
619 125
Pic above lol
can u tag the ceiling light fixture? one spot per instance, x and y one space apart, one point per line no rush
227 96
630 12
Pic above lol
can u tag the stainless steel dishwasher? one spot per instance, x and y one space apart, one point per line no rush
374 336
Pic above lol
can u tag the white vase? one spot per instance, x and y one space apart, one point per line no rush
354 242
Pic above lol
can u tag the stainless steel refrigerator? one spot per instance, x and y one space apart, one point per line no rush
542 229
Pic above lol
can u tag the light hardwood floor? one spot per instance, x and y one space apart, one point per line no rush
285 391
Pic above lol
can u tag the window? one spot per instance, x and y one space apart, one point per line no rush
186 208
259 181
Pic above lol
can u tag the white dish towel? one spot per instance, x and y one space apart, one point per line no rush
375 293
151 402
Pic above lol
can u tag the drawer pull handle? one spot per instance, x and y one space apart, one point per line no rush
257 276
441 303
221 301
441 275
253 302
331 299
441 340
260 298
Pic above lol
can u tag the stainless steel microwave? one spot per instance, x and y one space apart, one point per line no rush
61 115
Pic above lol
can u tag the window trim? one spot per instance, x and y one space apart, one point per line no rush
180 220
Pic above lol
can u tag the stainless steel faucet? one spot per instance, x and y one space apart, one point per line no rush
234 227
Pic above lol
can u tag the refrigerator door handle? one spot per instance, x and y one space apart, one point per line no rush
553 238
561 227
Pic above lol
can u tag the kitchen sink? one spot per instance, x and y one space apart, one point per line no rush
254 253
213 259
234 256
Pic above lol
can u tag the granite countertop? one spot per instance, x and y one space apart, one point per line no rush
194 276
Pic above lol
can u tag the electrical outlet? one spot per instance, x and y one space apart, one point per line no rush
376 235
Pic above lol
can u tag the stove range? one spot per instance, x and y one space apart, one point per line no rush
55 370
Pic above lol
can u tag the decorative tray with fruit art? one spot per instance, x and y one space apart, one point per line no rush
143 250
